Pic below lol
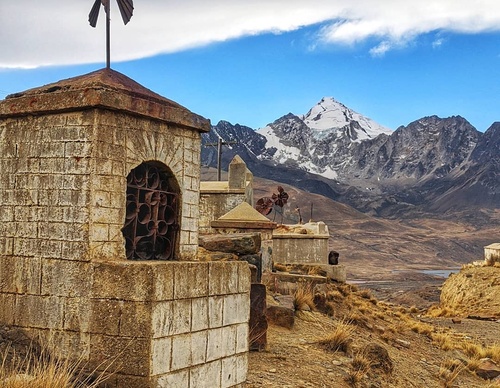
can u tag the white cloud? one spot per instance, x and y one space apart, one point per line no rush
35 33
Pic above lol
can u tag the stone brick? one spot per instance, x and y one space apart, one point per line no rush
46 312
65 278
215 311
199 347
163 281
223 278
241 368
105 316
181 350
161 355
20 274
99 232
77 314
229 372
207 375
162 319
236 309
181 316
128 381
214 347
7 312
125 354
199 313
228 340
178 379
244 278
135 319
71 345
242 338
124 280
191 280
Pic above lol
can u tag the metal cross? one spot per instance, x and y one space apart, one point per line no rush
126 9
219 145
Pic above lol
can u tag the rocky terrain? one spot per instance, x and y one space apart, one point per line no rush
362 342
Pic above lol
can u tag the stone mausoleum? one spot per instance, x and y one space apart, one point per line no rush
99 209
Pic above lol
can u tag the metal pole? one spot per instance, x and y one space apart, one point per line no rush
219 159
108 39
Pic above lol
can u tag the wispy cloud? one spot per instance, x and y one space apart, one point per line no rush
36 33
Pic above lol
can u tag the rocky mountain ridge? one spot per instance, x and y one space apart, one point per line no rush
433 164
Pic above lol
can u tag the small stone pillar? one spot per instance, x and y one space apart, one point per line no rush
237 173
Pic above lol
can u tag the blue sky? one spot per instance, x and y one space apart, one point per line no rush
253 65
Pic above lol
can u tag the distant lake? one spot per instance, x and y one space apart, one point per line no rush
442 273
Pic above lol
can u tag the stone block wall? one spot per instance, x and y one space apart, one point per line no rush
306 243
156 324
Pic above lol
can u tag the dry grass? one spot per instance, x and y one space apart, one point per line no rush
359 368
421 328
340 338
438 311
303 297
443 340
475 351
39 370
449 371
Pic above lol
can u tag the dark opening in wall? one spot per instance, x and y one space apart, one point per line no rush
152 218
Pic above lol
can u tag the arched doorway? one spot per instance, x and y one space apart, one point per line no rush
152 218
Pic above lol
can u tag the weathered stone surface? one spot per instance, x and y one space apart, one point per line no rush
241 244
286 301
281 316
258 320
206 255
487 369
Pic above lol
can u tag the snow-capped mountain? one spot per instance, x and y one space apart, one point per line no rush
432 163
329 116
318 141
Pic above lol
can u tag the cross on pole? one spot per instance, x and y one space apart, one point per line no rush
126 8
219 145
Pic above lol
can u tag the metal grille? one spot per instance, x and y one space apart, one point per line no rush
151 220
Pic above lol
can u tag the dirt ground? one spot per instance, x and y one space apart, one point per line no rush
295 358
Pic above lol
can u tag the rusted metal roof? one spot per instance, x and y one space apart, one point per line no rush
105 88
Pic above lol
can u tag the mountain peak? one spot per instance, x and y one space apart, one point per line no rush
331 115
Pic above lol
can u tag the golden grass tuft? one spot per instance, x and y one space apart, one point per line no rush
303 297
359 368
422 328
438 311
449 371
340 338
38 370
443 340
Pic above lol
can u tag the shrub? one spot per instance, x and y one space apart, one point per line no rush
339 339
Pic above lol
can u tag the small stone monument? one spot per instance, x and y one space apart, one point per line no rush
99 208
